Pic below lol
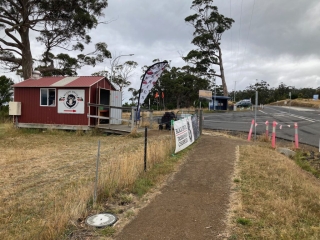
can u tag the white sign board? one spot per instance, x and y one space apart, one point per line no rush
184 133
205 94
71 101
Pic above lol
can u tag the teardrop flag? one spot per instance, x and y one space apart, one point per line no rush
148 81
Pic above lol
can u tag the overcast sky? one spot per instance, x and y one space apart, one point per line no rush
275 41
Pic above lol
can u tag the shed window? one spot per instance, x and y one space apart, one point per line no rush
47 97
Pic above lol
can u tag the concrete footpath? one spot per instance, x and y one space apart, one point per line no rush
194 203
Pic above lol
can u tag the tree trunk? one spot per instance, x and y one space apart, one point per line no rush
224 85
178 102
27 62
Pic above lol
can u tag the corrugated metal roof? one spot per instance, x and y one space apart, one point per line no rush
64 81
83 81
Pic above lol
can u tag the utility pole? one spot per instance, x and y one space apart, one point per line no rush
214 103
290 101
255 116
255 111
234 93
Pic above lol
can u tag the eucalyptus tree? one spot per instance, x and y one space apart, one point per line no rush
180 87
264 92
122 73
134 95
209 26
56 24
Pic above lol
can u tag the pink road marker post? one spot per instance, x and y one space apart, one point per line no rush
267 129
273 142
296 138
250 132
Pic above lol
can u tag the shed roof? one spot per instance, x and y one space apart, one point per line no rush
83 81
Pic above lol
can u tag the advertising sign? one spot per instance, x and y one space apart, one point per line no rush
184 133
150 78
71 101
205 94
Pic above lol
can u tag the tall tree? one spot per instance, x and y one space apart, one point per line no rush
263 92
135 95
180 87
58 24
209 26
5 89
122 73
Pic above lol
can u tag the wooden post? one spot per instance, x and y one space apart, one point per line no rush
132 118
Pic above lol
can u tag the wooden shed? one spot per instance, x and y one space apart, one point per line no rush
65 102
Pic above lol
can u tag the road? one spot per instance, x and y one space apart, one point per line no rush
308 121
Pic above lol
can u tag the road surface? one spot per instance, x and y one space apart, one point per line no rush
308 121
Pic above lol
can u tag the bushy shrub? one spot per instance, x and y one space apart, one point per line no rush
4 113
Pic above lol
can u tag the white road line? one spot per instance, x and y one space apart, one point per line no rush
286 114
299 109
263 112
304 118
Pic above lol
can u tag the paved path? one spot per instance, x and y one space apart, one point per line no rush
193 205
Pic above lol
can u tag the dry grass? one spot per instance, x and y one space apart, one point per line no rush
299 102
47 179
274 198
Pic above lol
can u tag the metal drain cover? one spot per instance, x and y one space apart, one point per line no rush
101 220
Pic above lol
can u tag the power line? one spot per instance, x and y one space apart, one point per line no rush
239 33
247 40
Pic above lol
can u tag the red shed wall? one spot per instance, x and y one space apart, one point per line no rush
32 112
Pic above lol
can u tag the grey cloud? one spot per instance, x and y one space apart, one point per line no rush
281 46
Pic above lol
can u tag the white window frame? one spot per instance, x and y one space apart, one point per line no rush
55 97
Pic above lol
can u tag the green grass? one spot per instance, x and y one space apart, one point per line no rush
108 231
305 164
243 221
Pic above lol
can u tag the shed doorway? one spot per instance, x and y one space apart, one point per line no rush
104 98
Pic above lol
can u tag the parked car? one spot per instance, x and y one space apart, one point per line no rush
243 104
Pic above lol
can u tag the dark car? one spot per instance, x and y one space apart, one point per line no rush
244 104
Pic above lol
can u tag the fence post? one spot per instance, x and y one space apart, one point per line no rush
132 118
97 175
145 148
296 138
172 127
273 142
151 118
201 121
267 129
250 131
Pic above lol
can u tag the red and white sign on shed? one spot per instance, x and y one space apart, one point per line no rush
71 101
